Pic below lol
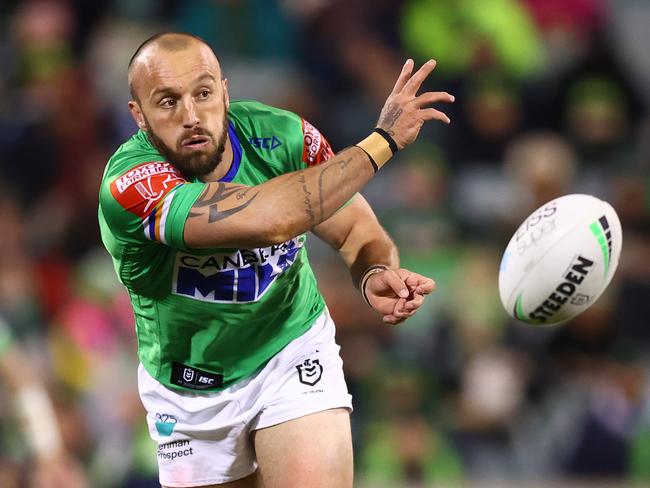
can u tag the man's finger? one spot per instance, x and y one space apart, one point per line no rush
394 282
414 304
404 314
426 287
433 114
392 320
413 85
423 285
398 308
433 97
403 76
417 283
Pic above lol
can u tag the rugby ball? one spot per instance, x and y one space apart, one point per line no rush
560 260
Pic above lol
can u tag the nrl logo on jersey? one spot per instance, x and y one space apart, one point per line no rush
239 277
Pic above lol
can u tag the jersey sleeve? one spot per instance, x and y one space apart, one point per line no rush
149 201
315 147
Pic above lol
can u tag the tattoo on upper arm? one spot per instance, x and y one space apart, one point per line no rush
212 201
388 118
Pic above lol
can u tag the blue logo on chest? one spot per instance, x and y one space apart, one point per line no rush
269 143
239 277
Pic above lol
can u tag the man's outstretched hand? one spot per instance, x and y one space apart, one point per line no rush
397 294
405 111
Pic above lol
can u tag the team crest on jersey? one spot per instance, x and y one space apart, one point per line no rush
315 149
239 277
140 189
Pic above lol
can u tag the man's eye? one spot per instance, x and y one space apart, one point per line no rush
167 102
204 94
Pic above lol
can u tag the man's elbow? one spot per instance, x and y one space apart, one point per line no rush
278 231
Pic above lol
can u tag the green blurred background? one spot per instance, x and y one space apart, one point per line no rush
552 98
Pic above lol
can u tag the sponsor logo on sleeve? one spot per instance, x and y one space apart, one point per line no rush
315 149
143 190
140 189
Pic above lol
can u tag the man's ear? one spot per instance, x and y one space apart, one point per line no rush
136 113
226 97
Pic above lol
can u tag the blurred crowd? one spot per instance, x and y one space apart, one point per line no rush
551 98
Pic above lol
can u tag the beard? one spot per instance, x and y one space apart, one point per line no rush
192 165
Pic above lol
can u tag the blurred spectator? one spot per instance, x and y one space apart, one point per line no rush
53 465
543 167
473 36
567 28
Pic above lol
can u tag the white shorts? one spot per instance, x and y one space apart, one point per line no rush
204 438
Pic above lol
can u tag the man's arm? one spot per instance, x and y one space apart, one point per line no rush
373 260
356 234
229 215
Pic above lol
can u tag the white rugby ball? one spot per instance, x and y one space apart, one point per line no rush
560 260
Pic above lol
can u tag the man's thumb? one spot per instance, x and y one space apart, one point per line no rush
396 283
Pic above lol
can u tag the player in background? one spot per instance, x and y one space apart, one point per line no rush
53 466
204 211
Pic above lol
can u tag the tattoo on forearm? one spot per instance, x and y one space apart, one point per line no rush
388 118
242 194
212 201
307 200
341 165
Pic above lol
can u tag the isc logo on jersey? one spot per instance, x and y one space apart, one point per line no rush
240 277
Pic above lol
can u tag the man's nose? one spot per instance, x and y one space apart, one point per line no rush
190 115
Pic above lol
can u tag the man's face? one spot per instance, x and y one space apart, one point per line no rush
182 104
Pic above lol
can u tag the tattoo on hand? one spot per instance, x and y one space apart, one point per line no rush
388 118
220 194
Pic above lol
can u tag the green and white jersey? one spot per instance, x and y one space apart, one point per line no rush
206 318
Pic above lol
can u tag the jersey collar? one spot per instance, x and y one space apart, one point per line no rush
236 153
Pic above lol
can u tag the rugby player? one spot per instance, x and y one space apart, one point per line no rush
204 211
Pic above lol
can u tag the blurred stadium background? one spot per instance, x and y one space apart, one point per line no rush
552 98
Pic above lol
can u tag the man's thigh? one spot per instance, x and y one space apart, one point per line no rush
308 452
252 481
206 439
